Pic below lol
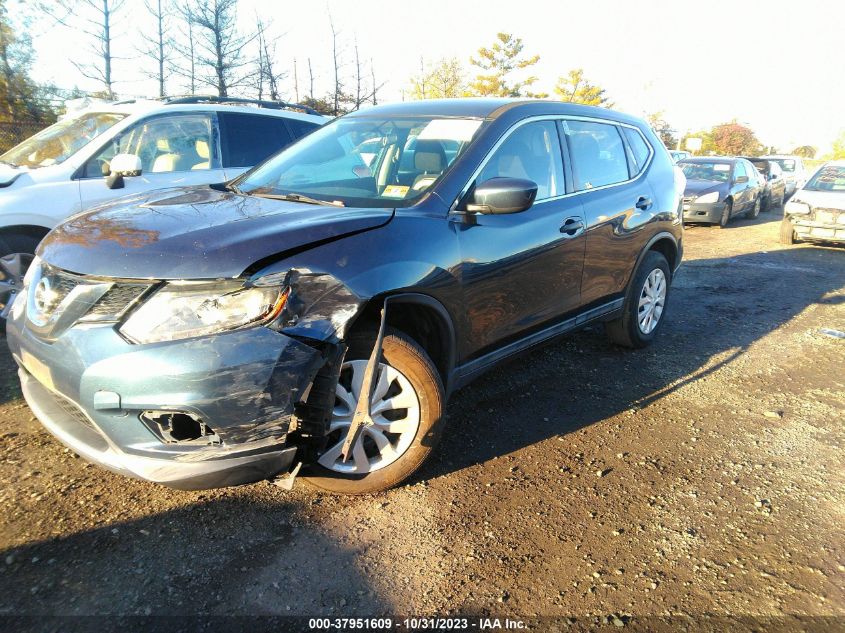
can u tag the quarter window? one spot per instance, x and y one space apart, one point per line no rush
531 152
639 148
739 170
250 138
598 154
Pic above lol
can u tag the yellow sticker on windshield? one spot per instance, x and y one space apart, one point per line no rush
395 191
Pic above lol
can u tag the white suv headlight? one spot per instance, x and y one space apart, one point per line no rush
713 196
188 309
797 208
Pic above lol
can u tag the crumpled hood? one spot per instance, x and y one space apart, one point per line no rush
700 187
195 233
821 199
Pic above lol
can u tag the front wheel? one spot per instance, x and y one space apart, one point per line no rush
406 407
16 254
726 214
645 304
787 233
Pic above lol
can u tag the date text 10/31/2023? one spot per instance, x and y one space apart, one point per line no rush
416 624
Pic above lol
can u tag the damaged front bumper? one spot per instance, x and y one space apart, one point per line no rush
192 414
830 228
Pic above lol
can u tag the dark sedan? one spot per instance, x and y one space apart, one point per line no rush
773 185
720 188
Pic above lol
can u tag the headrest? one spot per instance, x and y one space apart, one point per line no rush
202 148
429 156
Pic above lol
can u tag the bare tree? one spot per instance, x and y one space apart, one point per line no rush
158 46
295 81
219 46
338 96
95 19
268 71
186 67
375 89
311 80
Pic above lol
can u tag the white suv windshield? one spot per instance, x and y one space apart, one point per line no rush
61 140
363 161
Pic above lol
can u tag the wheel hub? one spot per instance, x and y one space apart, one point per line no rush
13 268
395 412
652 301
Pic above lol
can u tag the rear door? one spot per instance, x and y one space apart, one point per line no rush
617 199
177 149
523 270
742 190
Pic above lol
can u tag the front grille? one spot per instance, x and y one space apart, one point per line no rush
116 301
72 410
828 216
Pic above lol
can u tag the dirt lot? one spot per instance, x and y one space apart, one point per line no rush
702 476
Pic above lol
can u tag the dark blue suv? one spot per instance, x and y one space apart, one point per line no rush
318 311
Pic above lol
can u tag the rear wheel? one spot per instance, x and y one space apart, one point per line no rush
787 233
645 304
755 210
726 214
406 406
16 254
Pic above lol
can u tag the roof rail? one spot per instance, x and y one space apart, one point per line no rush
275 105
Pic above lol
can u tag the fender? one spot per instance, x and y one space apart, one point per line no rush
656 238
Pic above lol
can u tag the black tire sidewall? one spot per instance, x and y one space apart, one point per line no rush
402 353
651 261
726 215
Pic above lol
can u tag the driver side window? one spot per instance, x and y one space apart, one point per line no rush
531 152
165 144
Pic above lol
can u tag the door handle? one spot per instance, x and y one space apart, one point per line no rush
572 227
643 203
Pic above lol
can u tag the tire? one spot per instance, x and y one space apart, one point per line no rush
726 214
767 203
755 210
16 252
405 356
782 200
787 233
626 330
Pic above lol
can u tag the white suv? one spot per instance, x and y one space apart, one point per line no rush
794 173
184 141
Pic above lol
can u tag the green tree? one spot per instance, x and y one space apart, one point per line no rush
663 130
733 139
707 145
838 152
805 151
498 64
444 80
20 97
575 88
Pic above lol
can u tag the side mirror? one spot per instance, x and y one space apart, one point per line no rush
502 195
122 165
741 179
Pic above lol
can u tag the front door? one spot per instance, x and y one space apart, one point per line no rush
179 149
521 271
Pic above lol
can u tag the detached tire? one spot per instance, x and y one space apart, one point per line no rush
643 291
407 376
787 233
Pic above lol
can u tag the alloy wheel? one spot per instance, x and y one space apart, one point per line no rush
13 268
395 410
652 301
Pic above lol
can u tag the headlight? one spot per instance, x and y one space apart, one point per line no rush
797 208
188 309
713 196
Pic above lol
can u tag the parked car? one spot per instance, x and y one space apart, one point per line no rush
64 168
794 172
720 188
773 185
214 335
678 154
817 211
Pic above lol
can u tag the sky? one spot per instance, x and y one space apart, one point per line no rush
773 65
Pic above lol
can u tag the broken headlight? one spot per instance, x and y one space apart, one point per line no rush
187 309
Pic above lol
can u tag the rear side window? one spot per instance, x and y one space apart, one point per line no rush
300 128
639 148
739 170
250 138
598 154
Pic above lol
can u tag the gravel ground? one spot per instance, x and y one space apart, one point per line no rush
701 476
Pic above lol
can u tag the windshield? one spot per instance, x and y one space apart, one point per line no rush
365 162
786 164
61 140
830 178
720 172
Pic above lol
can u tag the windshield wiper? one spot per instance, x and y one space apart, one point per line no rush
298 197
233 188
